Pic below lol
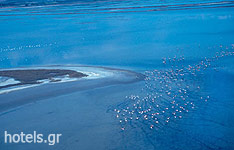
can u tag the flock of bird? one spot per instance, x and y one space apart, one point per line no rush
8 48
20 48
167 94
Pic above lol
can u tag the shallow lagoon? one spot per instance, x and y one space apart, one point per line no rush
129 35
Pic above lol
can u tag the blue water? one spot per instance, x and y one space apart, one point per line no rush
134 35
115 33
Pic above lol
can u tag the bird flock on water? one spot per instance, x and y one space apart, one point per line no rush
168 94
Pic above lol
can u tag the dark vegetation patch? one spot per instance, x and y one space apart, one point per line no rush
32 76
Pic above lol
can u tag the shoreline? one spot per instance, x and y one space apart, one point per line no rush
83 71
100 77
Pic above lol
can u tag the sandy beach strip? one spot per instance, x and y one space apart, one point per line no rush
96 77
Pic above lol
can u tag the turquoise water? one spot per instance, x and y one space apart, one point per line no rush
137 35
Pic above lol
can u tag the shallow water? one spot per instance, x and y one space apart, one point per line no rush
133 35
